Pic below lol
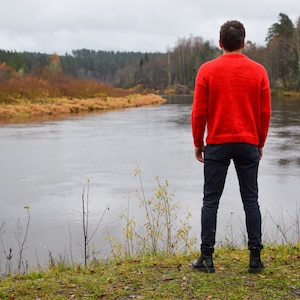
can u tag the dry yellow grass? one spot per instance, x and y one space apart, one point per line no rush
63 106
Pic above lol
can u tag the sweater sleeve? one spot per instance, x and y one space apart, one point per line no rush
265 110
199 110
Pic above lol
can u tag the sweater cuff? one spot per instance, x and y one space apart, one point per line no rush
198 145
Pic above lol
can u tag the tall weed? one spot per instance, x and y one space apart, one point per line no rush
88 236
163 230
22 239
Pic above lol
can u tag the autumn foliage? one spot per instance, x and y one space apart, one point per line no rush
47 91
47 85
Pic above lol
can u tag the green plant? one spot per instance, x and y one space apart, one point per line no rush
162 232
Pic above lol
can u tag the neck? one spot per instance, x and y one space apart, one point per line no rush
239 51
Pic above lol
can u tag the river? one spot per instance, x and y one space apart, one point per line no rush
47 165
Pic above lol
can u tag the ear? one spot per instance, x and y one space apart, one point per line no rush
220 44
243 44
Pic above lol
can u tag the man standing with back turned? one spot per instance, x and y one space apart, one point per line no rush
232 101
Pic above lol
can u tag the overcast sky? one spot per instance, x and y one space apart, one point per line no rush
61 26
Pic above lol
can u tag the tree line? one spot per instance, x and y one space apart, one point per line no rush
157 71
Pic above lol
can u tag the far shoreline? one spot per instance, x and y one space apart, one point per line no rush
65 107
26 111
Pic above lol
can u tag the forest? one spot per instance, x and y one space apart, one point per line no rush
174 69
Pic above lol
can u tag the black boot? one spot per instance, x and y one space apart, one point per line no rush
256 264
204 264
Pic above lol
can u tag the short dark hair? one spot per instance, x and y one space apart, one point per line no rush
232 35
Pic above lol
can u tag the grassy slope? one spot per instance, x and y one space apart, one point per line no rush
63 106
164 277
56 94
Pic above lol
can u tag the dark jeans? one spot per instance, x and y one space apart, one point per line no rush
246 161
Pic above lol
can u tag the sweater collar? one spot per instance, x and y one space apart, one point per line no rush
232 55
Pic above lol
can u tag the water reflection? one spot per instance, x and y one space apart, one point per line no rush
284 137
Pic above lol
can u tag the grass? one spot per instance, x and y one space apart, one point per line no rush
63 106
285 93
164 277
56 94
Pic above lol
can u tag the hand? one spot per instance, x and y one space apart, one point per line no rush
260 151
199 153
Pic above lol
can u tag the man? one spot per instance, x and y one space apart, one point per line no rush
232 101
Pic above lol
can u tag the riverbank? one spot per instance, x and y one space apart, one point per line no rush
63 106
163 277
22 109
282 93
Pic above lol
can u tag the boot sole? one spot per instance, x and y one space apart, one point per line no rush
204 270
255 270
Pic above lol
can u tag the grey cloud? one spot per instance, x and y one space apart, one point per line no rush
132 25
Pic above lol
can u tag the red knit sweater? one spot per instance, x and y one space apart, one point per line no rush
232 98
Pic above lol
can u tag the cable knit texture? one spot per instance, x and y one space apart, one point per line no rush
232 99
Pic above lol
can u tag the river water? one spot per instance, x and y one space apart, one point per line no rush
47 164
